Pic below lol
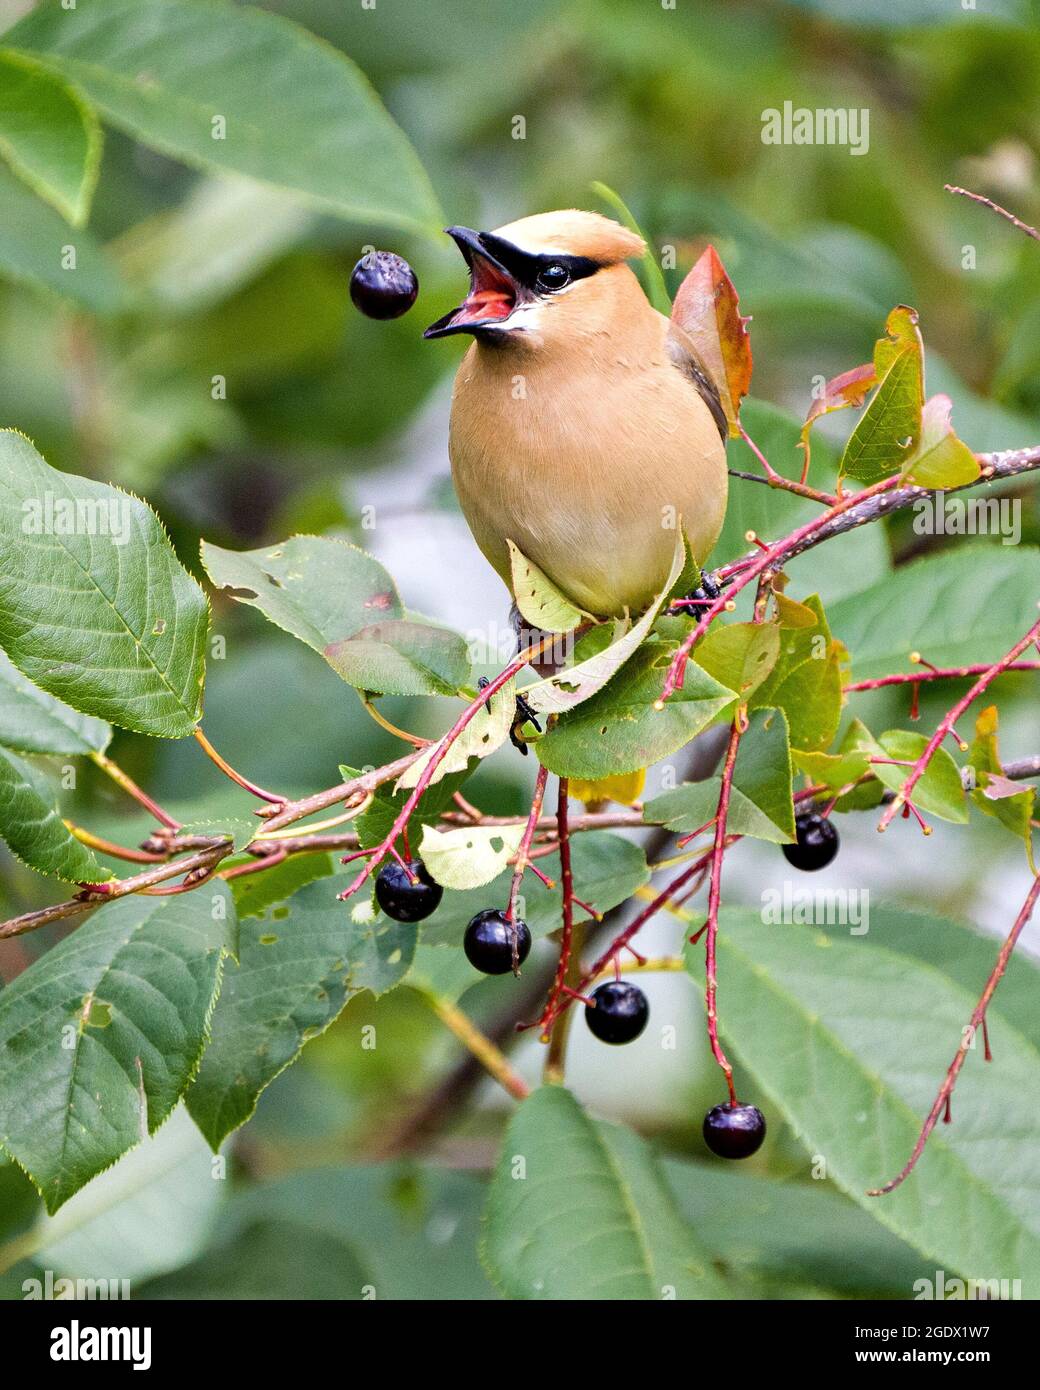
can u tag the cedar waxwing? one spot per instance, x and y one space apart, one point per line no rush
581 427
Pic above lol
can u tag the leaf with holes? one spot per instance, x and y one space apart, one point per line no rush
741 655
94 604
100 1036
537 597
31 721
486 731
589 1216
469 856
298 964
31 824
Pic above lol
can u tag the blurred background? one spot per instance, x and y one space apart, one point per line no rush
335 424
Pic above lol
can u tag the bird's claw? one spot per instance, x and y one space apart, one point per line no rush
524 715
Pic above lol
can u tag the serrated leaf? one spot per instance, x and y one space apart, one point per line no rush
486 731
537 597
588 1216
760 802
470 856
620 729
31 823
940 459
706 318
31 721
49 135
806 682
868 1034
967 605
240 830
298 964
234 89
315 587
399 657
741 655
94 604
575 684
100 1036
890 427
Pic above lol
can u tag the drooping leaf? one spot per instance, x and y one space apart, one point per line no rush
580 1210
706 318
760 798
100 1036
859 1067
31 721
31 824
851 388
94 604
49 135
298 964
940 459
890 427
538 598
231 88
968 604
1014 811
469 856
399 657
620 730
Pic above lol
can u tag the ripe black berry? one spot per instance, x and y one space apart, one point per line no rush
383 286
404 900
620 1014
488 942
734 1131
817 842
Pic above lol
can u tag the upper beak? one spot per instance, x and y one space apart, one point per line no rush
493 291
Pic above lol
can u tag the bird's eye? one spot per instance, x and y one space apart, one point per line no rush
553 277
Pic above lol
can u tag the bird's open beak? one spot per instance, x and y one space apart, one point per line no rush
493 291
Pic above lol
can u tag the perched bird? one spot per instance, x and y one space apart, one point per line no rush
583 428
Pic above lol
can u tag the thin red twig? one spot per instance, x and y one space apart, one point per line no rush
935 673
567 934
236 777
711 925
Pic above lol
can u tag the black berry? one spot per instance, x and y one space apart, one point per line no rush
405 900
620 1014
734 1131
383 286
817 842
488 942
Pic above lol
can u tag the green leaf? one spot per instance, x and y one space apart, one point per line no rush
656 289
741 655
100 1036
620 730
374 826
255 893
607 868
833 770
298 965
31 721
94 605
579 1210
940 790
575 684
867 1037
240 830
470 856
538 598
806 682
890 428
1015 812
31 824
314 587
966 605
38 248
49 135
234 89
940 459
760 802
399 657
487 730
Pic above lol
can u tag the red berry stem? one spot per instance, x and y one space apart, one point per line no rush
714 895
934 673
525 842
978 1019
567 935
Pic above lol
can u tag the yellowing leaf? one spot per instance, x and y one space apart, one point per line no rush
706 320
626 788
485 732
538 598
940 460
470 856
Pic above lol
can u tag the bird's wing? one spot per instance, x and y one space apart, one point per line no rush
684 358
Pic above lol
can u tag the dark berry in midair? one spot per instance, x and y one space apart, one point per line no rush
383 286
620 1014
817 842
488 942
734 1131
402 898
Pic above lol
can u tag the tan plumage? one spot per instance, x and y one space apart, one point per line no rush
578 432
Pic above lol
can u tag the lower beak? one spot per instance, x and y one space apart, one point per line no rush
493 292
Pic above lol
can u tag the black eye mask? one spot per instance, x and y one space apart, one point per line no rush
526 266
